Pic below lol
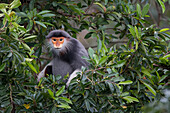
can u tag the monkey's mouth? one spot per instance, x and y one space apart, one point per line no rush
57 48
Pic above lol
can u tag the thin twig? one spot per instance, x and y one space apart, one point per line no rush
2 39
159 14
162 66
11 98
155 22
111 104
128 64
89 6
4 25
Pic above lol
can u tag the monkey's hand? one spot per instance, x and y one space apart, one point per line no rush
74 74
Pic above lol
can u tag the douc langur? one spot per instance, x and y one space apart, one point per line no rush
67 55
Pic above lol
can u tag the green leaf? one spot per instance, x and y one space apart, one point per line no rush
25 46
60 91
145 9
15 4
18 56
53 110
164 29
103 60
9 109
1 15
32 67
30 25
131 99
150 88
136 31
48 15
125 94
132 31
51 93
3 6
30 38
2 67
41 24
138 9
66 99
87 104
64 106
120 63
162 5
111 87
99 4
76 10
96 58
15 24
116 79
106 1
163 78
136 45
48 24
126 82
5 103
99 44
91 52
43 12
166 56
146 72
143 47
21 14
40 82
22 29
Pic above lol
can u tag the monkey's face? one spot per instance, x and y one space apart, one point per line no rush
58 42
59 45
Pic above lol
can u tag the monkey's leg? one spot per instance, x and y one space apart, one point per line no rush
47 70
74 74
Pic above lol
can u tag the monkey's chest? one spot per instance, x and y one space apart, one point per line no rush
61 67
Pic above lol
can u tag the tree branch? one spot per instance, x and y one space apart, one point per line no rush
89 6
4 25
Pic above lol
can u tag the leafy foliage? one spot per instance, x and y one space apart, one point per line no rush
121 78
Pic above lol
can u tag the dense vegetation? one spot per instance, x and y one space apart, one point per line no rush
123 78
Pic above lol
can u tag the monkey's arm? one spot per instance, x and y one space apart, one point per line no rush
47 70
74 74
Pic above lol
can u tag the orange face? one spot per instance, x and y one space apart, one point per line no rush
57 42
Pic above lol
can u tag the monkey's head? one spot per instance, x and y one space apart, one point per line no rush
59 41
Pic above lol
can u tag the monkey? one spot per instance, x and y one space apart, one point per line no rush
67 56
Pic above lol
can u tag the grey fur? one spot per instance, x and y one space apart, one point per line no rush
68 59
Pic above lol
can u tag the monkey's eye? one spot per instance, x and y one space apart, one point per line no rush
54 39
61 39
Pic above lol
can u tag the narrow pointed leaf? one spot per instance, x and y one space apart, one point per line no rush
41 24
150 88
2 67
102 60
126 82
145 10
66 99
51 93
162 5
60 91
146 72
32 67
165 29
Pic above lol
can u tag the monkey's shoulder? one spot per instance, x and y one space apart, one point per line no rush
78 47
